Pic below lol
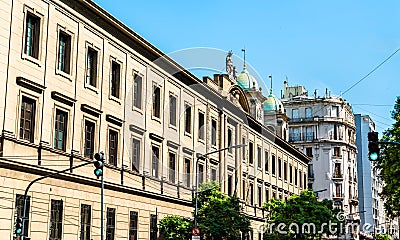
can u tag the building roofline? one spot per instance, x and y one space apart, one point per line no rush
175 69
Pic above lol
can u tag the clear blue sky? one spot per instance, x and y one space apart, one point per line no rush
318 44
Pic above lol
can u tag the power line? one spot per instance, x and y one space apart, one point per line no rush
371 105
373 70
375 114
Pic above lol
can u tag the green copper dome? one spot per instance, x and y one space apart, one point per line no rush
272 103
245 80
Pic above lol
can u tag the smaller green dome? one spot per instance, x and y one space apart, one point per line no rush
272 103
246 80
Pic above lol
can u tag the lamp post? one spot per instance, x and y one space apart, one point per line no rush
322 190
202 156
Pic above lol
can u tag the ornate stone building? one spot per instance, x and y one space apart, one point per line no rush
324 129
76 81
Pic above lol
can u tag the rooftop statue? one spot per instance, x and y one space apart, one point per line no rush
230 68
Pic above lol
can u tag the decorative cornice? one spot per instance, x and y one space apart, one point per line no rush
252 177
230 168
155 137
188 151
114 120
172 144
26 83
214 161
137 129
62 98
91 110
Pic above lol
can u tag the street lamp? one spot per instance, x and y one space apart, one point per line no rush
202 156
322 190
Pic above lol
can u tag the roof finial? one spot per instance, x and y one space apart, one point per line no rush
244 57
270 90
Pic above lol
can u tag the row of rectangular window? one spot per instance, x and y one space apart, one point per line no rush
56 220
60 136
250 194
273 163
27 128
31 49
63 64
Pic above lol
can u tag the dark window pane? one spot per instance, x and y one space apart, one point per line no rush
201 126
187 172
27 119
230 140
273 164
60 130
135 154
115 79
251 149
156 101
201 173
56 219
213 174
213 132
153 227
110 227
89 139
172 169
91 67
133 225
64 52
188 119
32 36
113 147
155 159
86 215
172 110
230 182
137 91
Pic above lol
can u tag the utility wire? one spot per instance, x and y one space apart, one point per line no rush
373 70
376 115
371 105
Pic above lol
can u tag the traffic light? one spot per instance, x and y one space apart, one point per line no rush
99 164
18 226
373 146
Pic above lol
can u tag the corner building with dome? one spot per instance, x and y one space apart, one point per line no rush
76 81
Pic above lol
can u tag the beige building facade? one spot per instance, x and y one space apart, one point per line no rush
76 81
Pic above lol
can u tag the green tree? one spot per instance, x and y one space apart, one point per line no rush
382 237
389 165
175 228
300 212
220 216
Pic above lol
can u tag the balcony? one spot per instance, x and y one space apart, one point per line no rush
337 196
305 137
337 176
302 120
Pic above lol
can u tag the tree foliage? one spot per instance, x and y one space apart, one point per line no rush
175 227
220 216
389 165
286 220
